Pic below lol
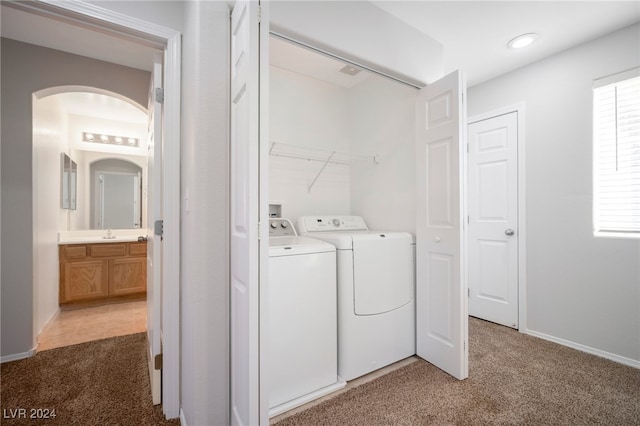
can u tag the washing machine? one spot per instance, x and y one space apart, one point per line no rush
376 292
302 318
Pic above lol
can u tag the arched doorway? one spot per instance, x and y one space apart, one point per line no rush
61 117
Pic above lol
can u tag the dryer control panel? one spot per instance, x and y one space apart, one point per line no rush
331 223
281 228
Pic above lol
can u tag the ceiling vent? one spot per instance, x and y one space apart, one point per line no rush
349 70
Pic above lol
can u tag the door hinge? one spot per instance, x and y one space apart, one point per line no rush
157 362
468 292
259 13
159 95
158 227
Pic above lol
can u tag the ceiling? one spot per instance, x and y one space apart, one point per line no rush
56 34
101 106
474 33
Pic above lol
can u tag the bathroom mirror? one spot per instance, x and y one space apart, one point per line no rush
73 185
65 172
116 194
68 182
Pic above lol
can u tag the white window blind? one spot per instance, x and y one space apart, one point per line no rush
616 159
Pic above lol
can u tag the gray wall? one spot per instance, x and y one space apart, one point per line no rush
580 289
27 69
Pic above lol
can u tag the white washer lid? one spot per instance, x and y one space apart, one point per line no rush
343 240
291 245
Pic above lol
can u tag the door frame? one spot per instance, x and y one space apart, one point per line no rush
519 109
169 41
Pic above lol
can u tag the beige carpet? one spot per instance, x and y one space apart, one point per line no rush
105 382
514 380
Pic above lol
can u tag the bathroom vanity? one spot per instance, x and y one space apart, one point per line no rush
102 272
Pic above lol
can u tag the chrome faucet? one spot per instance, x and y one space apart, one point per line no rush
109 236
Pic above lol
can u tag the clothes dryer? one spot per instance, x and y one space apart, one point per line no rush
302 318
376 292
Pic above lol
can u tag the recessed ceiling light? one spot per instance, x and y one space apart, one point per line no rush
523 40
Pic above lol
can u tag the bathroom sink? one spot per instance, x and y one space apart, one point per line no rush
96 239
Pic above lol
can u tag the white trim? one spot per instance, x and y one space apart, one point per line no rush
171 204
588 349
88 15
620 235
614 78
263 211
518 108
341 58
183 419
15 357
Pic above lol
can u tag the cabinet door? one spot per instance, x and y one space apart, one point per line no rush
127 276
85 280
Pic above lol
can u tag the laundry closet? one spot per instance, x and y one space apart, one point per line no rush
341 159
342 140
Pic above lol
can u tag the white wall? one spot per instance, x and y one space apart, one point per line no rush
382 117
204 298
49 142
581 289
374 118
314 114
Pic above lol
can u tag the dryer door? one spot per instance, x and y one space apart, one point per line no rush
383 272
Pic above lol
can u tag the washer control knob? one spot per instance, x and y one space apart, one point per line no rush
336 222
274 225
284 225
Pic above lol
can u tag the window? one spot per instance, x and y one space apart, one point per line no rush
616 155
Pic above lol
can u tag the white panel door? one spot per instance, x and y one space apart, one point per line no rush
493 221
246 405
154 242
441 290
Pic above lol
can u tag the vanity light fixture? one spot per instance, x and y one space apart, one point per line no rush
523 40
110 139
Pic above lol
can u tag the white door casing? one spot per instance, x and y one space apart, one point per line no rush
249 404
441 288
493 219
154 242
169 41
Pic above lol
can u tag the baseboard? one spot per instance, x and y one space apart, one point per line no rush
47 324
15 357
593 351
183 419
290 405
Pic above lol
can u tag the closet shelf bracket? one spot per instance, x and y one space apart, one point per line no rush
321 170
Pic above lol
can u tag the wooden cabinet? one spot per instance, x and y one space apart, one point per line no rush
98 273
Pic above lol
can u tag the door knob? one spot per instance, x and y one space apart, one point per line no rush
509 232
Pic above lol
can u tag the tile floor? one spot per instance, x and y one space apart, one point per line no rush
83 325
